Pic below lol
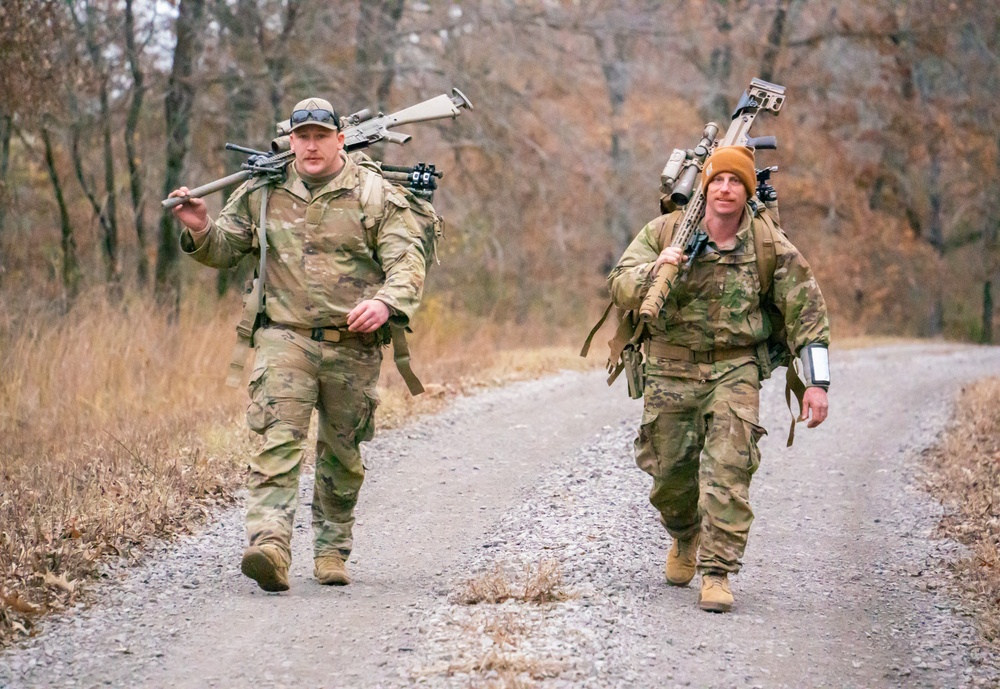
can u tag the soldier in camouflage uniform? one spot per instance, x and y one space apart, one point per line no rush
700 424
329 290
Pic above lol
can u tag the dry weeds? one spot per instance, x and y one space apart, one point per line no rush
503 665
541 583
117 428
964 473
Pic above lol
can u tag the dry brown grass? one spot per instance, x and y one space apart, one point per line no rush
964 473
540 583
118 428
504 665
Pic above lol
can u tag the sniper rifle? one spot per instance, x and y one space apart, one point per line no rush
362 129
683 168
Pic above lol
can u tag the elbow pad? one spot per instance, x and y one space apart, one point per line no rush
815 360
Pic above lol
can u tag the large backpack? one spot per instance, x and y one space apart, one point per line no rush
431 230
372 202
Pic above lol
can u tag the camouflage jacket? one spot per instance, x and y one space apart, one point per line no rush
716 304
320 264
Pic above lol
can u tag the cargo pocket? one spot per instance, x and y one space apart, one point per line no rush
366 427
645 453
751 430
260 415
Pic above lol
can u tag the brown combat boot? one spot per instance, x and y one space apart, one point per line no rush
331 570
715 595
681 560
267 565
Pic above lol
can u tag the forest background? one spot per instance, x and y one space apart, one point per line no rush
113 347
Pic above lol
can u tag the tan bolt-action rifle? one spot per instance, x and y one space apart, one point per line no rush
360 131
682 170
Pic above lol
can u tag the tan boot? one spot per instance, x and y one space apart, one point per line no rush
715 595
681 560
330 569
267 565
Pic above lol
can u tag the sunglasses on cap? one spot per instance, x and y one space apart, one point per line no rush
319 115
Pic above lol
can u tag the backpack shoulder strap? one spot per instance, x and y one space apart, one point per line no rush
763 230
254 304
668 227
372 199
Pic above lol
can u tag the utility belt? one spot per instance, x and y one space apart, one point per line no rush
677 353
329 334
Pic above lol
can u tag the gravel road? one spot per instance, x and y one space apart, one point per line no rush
842 585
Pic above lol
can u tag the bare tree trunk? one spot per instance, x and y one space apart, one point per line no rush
131 152
276 57
935 224
775 39
987 312
70 266
375 54
241 104
178 104
100 212
613 52
109 213
719 70
6 129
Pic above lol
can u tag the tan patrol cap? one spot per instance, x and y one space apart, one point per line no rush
317 111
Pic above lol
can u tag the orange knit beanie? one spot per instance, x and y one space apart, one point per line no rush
737 160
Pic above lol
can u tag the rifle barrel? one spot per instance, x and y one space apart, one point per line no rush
206 189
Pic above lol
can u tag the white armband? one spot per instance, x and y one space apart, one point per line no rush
815 360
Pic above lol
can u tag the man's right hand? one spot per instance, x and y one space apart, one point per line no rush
192 213
672 254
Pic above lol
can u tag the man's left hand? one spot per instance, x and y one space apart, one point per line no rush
815 405
368 316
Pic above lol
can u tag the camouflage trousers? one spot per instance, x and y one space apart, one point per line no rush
698 440
293 375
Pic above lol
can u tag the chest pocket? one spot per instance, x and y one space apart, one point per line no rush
333 224
737 273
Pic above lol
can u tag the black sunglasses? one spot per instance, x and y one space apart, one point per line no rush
319 115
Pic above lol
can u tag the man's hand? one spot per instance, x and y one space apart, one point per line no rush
192 213
815 404
672 254
368 316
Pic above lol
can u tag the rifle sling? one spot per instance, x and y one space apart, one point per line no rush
254 303
593 331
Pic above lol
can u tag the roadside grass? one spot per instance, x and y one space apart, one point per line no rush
498 655
964 474
538 583
118 428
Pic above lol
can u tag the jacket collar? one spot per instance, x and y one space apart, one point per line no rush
347 178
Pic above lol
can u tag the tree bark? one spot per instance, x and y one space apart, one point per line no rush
131 151
375 52
109 212
6 129
613 52
100 212
276 57
775 41
178 105
70 266
987 312
719 70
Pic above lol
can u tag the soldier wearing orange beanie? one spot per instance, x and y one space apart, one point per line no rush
701 423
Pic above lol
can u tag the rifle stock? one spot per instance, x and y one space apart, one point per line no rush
658 292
